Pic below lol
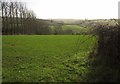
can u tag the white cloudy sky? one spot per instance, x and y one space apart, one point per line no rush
74 9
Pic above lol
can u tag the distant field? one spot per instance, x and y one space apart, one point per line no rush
46 58
74 28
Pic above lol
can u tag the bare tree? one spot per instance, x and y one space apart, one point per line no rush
13 17
3 18
6 18
16 16
17 19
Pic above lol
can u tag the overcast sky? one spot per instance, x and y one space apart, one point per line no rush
74 9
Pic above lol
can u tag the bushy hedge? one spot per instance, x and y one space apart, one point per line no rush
104 61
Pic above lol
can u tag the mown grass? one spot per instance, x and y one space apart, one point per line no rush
44 58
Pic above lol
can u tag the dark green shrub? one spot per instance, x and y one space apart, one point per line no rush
104 61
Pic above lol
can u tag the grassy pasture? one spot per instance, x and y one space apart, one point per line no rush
44 58
74 28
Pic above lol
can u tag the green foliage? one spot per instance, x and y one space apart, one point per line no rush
104 62
45 58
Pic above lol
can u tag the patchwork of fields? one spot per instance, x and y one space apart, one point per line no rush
45 58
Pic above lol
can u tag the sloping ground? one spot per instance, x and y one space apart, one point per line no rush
44 58
75 28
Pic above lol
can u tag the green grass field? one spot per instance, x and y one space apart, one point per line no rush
44 58
74 28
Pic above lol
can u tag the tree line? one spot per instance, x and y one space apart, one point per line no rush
17 19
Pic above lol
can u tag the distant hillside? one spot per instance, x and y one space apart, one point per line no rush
66 21
80 22
75 28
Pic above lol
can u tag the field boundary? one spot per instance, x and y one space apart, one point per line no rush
0 50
